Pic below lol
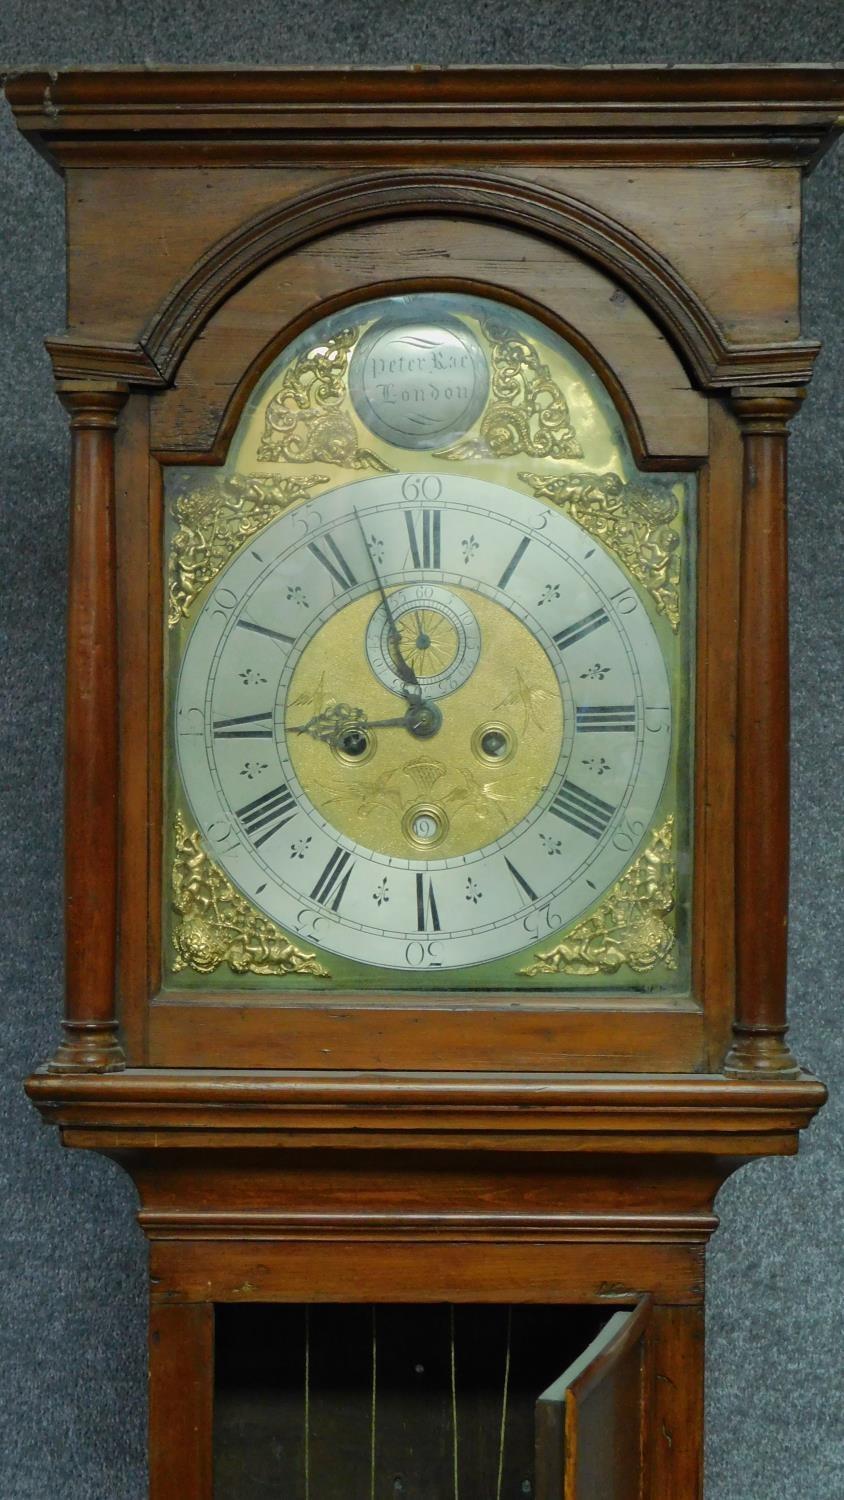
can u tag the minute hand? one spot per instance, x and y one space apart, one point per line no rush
403 668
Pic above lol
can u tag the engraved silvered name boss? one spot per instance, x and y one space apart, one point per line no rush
419 384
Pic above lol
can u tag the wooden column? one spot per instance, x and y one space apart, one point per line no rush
90 1042
762 786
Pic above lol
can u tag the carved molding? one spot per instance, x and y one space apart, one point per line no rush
75 358
616 249
733 116
216 925
633 926
748 1117
634 519
216 517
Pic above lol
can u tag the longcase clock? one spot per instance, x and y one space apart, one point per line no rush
426 851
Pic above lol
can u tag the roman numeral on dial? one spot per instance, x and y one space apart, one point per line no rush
333 880
338 569
514 562
267 814
607 718
521 883
428 555
274 635
245 727
582 809
427 916
580 628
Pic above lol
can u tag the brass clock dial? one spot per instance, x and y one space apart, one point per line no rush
425 697
453 816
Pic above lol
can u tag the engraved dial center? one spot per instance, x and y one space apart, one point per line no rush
436 775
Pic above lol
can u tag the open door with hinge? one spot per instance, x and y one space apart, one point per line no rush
590 1423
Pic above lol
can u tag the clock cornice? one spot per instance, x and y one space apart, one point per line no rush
693 115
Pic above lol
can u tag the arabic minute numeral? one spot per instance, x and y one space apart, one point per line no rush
628 834
419 955
625 601
417 487
223 602
227 840
658 720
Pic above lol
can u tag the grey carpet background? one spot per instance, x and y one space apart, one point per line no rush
72 1264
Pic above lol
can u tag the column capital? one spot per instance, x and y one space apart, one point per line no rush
92 403
766 409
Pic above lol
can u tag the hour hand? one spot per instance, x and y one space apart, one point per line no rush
421 719
331 723
403 668
339 720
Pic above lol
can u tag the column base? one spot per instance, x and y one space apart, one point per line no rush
89 1047
760 1054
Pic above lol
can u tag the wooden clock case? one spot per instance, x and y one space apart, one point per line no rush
364 1148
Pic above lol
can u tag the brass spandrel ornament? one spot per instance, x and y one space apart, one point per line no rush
633 927
215 516
307 419
216 925
527 411
637 520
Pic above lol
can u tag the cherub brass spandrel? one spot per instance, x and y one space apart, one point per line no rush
638 521
214 518
216 925
634 924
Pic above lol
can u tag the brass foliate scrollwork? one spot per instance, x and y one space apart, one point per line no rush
216 925
214 518
634 520
632 927
527 411
305 422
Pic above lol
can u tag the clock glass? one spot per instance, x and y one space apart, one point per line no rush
429 672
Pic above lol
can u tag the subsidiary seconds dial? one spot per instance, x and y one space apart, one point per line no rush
423 721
